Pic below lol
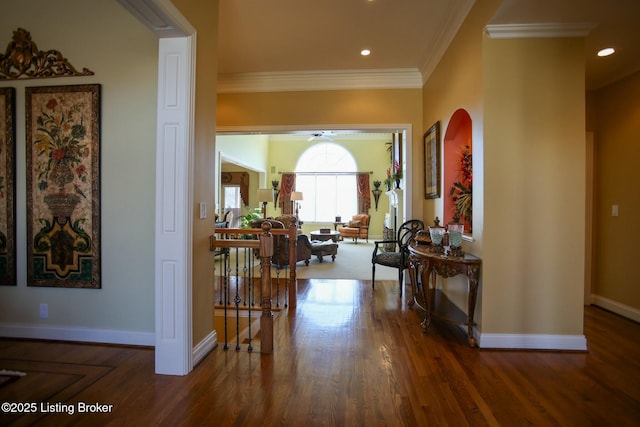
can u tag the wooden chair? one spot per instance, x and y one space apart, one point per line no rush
358 227
406 234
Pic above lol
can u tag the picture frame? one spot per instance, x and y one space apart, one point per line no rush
7 187
63 186
432 162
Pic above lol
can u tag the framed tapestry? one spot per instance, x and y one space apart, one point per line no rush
7 187
63 186
432 162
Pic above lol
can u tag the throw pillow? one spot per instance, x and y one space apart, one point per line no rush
354 224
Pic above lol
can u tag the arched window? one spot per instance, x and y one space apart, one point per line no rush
326 176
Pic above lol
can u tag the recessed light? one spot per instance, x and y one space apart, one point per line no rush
606 52
365 52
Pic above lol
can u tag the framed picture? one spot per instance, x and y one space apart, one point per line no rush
432 162
63 186
7 187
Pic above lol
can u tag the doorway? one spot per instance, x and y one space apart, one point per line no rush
406 210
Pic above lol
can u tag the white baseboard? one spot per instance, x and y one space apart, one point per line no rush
616 307
63 333
204 347
533 342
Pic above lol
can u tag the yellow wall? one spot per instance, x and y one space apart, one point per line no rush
617 140
534 180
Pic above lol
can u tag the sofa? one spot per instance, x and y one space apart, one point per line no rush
356 228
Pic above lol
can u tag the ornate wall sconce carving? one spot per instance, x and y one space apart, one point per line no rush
276 192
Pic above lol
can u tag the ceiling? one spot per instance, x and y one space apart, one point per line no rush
325 36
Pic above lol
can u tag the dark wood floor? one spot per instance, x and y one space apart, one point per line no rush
346 357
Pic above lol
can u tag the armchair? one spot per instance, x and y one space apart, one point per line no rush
280 255
358 227
400 259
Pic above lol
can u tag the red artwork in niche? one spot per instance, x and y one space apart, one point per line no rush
457 149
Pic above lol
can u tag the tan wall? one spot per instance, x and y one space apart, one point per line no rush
457 83
534 179
203 16
617 141
526 102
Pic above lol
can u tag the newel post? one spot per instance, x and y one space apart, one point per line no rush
266 320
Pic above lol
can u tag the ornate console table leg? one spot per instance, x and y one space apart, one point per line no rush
473 275
412 278
426 293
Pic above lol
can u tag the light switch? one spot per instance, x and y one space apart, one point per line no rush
203 210
614 210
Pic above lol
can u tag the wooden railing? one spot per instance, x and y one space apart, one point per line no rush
254 243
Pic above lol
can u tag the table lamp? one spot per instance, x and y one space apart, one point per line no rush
265 195
295 197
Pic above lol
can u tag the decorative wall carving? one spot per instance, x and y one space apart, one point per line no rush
23 60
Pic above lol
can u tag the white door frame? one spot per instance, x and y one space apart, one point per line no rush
174 182
174 195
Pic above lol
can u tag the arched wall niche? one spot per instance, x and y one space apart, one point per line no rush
457 147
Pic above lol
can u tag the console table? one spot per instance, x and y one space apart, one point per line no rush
426 265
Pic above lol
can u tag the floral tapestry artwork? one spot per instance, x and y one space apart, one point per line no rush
7 187
63 186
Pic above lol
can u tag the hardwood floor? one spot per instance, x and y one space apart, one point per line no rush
346 357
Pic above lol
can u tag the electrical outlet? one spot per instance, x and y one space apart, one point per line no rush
44 311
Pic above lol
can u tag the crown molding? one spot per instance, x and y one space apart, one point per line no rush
540 30
398 78
444 39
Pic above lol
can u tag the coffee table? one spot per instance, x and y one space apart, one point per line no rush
323 237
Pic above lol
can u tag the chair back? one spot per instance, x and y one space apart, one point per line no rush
363 218
407 233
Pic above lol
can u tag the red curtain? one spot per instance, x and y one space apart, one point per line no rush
364 192
288 185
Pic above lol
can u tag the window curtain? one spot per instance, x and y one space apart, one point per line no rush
288 186
364 193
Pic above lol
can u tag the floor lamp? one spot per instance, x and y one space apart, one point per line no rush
265 195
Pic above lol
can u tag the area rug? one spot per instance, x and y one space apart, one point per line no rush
353 261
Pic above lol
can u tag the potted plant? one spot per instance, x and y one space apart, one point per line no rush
462 191
254 213
397 173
